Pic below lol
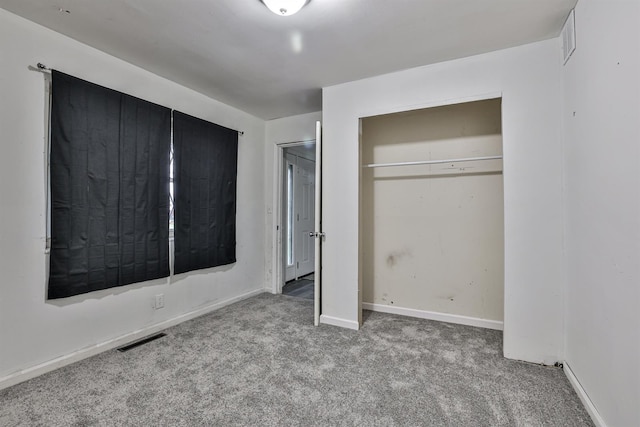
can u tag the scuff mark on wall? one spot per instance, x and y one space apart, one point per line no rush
396 256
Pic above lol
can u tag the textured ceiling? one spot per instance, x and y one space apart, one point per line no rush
240 53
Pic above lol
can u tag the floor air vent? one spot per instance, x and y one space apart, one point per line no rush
141 342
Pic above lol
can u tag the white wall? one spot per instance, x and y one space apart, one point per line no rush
528 78
33 330
432 236
285 130
602 207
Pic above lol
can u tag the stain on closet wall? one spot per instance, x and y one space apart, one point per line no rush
432 236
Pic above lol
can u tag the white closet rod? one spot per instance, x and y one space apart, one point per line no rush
431 162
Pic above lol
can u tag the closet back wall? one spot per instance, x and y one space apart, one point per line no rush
433 235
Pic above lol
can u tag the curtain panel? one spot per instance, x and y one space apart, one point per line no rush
205 174
109 177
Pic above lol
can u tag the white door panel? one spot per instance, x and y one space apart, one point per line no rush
305 200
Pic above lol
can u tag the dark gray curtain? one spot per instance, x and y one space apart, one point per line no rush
205 170
109 188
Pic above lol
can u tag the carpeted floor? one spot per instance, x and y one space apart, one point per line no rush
261 362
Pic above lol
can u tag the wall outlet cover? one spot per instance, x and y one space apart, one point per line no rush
159 301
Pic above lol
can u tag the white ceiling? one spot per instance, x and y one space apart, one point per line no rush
240 53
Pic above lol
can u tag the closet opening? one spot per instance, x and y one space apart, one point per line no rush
298 220
432 213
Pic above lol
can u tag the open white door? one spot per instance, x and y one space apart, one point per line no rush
318 234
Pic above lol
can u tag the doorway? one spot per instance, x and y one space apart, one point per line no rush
297 219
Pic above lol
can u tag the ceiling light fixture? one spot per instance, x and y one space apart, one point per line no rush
285 7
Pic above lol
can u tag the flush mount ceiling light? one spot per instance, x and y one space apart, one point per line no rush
285 7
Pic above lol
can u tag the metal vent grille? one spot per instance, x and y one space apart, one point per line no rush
568 37
140 342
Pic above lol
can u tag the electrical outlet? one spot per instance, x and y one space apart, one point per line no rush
159 303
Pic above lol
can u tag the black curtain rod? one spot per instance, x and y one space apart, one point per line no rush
43 68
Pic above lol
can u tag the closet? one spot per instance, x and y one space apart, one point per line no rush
431 213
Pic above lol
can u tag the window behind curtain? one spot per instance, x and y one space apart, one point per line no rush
109 188
205 170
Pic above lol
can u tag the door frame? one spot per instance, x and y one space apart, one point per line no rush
277 256
289 271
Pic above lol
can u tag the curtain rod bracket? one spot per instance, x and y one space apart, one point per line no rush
40 67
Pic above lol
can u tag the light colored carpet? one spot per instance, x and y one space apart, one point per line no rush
261 362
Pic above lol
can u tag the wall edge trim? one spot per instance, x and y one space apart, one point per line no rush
337 321
584 397
84 353
432 315
485 96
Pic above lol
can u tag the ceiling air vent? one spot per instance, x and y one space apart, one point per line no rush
568 37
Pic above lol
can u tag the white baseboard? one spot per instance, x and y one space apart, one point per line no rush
432 315
67 359
336 321
584 397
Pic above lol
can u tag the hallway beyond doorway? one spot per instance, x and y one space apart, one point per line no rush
301 288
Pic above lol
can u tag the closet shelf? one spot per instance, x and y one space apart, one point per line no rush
431 162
